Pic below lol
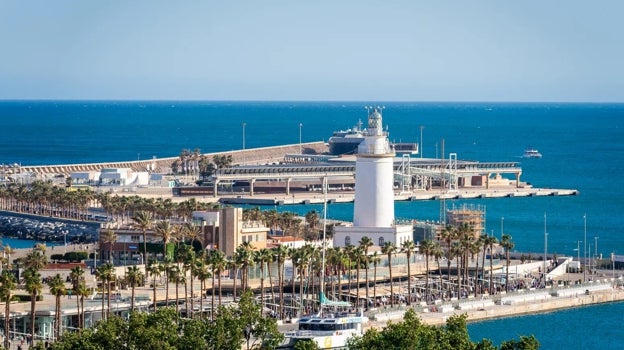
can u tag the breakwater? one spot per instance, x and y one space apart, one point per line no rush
47 229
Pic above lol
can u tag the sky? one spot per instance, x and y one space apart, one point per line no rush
322 50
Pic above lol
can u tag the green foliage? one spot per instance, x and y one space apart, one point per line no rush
411 333
306 345
163 329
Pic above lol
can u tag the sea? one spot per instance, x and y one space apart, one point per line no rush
582 146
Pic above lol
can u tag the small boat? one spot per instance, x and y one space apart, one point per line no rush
328 329
531 153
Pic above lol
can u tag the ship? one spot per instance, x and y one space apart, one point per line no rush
346 142
531 152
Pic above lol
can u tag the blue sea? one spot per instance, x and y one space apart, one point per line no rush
582 147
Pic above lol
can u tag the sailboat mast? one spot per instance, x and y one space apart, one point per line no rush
324 232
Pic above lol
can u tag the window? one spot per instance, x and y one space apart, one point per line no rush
347 240
381 241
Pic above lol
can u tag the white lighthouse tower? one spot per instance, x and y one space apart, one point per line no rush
373 210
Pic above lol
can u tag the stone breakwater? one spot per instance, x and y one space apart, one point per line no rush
47 229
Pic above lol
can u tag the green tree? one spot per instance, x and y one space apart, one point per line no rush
508 245
57 288
143 221
34 286
134 276
389 249
7 288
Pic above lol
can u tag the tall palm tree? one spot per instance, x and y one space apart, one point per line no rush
76 275
109 237
389 249
262 257
143 221
365 244
508 245
7 288
155 270
37 258
81 292
176 275
490 243
200 271
281 253
218 264
375 259
447 235
164 229
166 266
134 276
426 248
408 247
105 274
57 288
34 286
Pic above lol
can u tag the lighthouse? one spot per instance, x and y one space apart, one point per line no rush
374 196
373 208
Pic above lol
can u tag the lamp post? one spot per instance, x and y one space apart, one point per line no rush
300 149
596 247
578 251
244 124
585 247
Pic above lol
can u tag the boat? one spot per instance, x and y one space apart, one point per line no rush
345 142
531 152
335 322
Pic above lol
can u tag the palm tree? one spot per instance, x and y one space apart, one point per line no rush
134 276
166 266
508 245
375 259
262 257
281 253
143 221
365 243
155 270
34 286
426 248
109 237
37 258
57 288
105 274
176 275
389 248
491 240
7 288
218 264
447 235
165 230
200 270
77 275
408 247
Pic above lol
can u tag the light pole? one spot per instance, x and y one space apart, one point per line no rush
545 246
585 247
244 124
596 247
300 149
578 251
421 141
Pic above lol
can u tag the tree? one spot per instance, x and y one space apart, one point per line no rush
7 288
281 253
143 220
105 274
164 229
34 286
365 243
77 275
109 237
57 288
408 247
155 270
508 245
134 276
426 248
389 248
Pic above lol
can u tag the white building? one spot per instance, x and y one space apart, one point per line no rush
373 208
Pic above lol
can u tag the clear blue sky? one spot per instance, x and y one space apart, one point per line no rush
313 50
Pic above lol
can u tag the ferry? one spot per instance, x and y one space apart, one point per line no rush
345 142
327 329
531 153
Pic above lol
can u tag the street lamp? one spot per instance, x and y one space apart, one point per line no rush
596 247
578 251
244 124
300 149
